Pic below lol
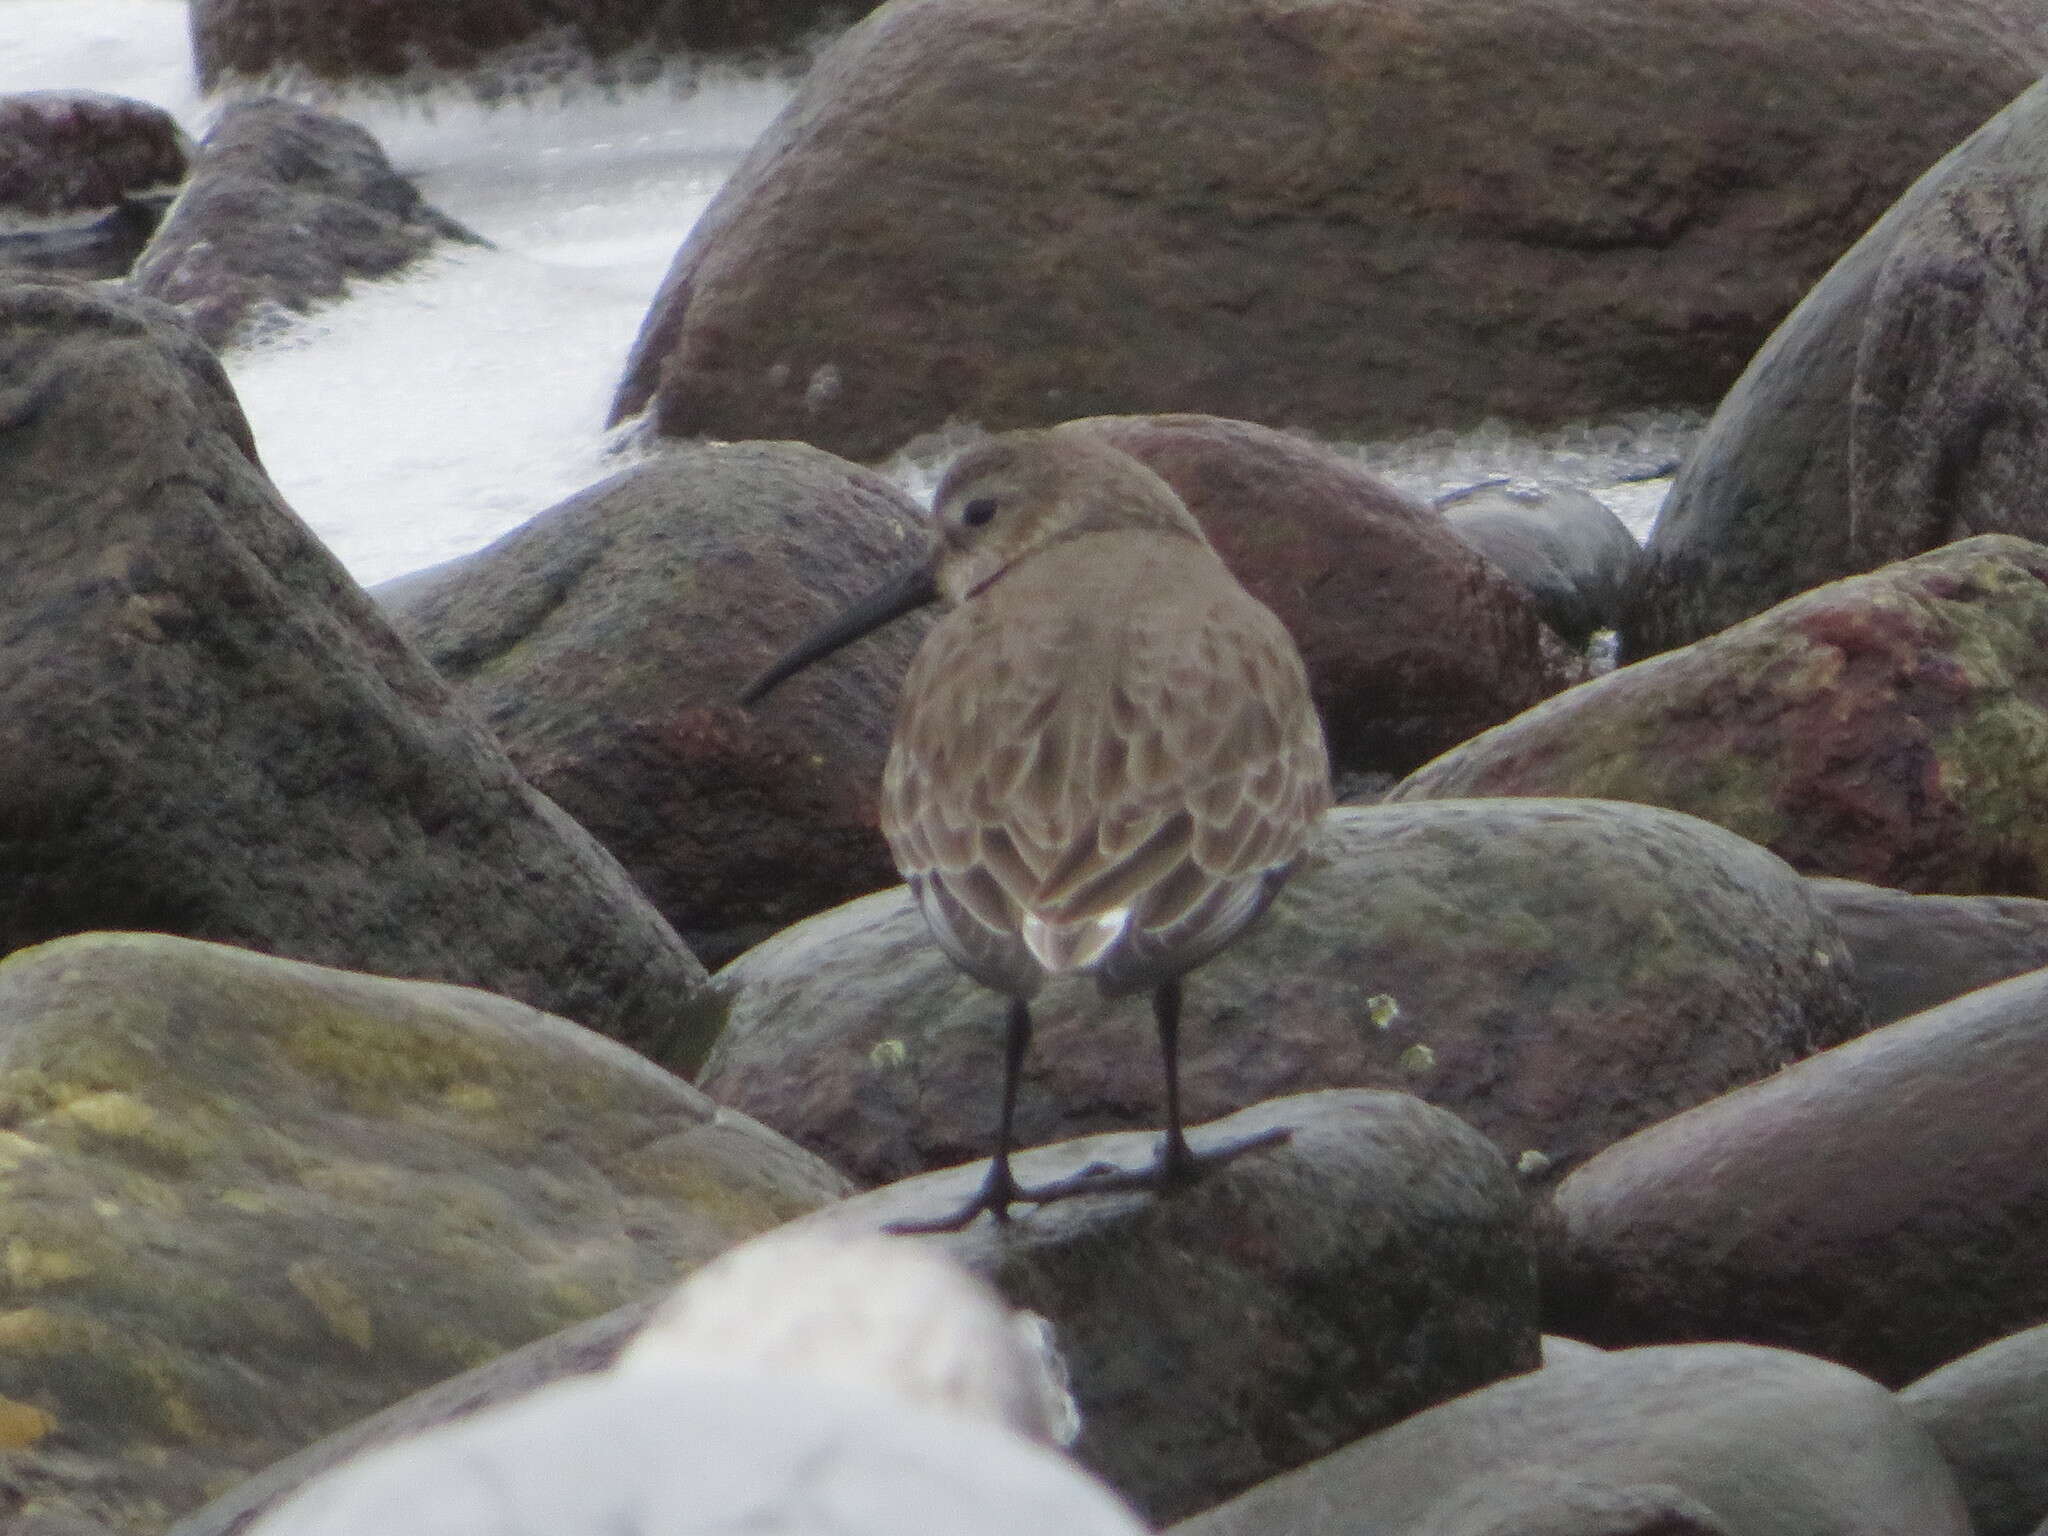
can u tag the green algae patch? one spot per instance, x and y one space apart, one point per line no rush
248 1201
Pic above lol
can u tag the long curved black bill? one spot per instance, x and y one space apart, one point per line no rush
913 589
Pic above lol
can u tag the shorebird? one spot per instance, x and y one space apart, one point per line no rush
1105 759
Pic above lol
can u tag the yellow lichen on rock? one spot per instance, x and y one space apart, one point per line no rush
22 1424
340 1307
31 1268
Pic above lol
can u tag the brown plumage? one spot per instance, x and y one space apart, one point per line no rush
1106 760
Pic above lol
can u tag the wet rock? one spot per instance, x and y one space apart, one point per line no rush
250 1200
84 178
284 207
1412 645
1899 408
606 641
508 50
209 730
1861 1205
1562 546
1558 973
1701 1440
1883 728
1341 216
1989 1414
1913 952
1295 1298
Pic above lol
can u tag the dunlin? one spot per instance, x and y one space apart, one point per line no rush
1105 759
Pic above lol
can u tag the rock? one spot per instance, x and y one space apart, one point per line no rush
1283 1330
250 1200
800 1383
1412 645
1912 952
1881 728
1295 1298
605 642
209 730
1725 1439
1900 407
504 51
1559 973
84 178
1561 545
1349 217
285 205
1989 1414
1860 1205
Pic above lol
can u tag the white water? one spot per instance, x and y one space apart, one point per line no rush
431 412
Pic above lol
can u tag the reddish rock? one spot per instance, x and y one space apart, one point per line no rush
286 205
84 178
498 48
1412 643
1360 218
1902 406
1557 973
1885 728
1872 1204
605 643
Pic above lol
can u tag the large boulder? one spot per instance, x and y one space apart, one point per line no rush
285 205
501 50
605 642
1559 973
1412 643
1903 405
1356 217
1862 1205
248 1201
84 179
1702 1440
1380 1261
1886 728
208 729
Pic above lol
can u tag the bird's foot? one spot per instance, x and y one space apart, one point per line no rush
1177 1164
999 1191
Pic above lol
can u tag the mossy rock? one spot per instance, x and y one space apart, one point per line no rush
248 1200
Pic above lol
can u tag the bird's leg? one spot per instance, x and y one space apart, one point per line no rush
1177 1163
1000 1189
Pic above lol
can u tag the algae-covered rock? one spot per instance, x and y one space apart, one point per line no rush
206 728
1559 973
1889 728
248 1200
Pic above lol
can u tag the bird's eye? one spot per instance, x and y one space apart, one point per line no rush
978 511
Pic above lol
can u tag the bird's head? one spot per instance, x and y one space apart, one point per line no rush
1002 502
1020 494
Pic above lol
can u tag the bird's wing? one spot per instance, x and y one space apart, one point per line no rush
1141 787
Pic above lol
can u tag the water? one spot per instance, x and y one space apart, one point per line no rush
431 412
